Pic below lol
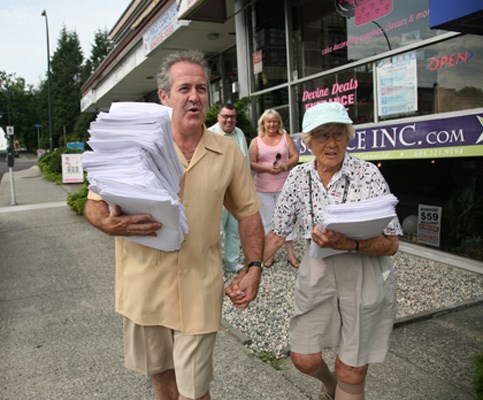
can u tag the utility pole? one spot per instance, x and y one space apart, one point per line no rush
10 162
10 145
49 90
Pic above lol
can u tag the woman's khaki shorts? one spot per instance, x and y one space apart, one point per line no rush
347 302
154 349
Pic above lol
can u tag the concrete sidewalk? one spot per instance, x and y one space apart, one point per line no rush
61 339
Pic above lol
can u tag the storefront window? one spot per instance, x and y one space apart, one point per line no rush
230 76
452 185
224 77
439 78
268 48
278 100
451 71
326 36
353 88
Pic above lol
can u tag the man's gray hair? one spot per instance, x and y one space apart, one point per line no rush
189 56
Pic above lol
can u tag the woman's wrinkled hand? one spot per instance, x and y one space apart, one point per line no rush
331 239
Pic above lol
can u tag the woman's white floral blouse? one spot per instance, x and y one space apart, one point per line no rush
356 180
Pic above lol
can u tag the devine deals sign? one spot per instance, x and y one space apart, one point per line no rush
450 135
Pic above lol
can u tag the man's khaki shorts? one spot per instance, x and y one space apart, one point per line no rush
151 350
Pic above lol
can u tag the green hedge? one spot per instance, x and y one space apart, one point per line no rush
77 200
50 165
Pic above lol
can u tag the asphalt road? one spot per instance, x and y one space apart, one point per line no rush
24 161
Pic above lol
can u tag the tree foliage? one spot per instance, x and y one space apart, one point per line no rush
18 107
67 65
99 50
26 107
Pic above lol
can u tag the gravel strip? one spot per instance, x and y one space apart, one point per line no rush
422 285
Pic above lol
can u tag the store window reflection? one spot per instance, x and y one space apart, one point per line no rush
230 76
325 38
353 88
224 86
268 46
452 69
276 99
446 78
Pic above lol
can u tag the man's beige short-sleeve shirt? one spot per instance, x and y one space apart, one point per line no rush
183 290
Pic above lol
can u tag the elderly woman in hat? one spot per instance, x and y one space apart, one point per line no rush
347 300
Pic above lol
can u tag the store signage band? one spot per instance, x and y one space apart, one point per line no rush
162 28
455 136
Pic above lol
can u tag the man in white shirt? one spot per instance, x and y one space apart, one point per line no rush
226 126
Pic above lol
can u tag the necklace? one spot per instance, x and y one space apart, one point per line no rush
188 154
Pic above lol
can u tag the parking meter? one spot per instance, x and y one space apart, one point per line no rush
10 155
10 147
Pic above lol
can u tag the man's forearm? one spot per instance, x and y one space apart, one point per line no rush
95 212
114 222
251 237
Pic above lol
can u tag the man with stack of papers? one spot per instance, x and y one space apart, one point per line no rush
151 177
363 219
134 165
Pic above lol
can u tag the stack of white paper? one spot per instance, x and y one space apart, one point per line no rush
364 219
134 165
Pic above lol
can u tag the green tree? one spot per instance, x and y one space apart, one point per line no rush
27 106
17 108
67 65
99 50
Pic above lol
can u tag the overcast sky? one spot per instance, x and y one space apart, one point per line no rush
23 38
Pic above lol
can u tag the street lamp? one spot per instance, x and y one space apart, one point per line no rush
49 92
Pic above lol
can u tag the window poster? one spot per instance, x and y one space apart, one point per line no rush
429 224
72 171
397 84
257 62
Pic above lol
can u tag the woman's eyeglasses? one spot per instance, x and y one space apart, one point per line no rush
277 159
323 137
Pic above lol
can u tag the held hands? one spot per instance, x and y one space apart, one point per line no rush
119 224
244 287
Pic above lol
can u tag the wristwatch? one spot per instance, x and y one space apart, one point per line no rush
253 264
257 264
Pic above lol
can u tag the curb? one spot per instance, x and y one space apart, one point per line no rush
399 323
236 333
426 315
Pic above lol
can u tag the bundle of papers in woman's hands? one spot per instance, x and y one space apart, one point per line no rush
134 165
363 219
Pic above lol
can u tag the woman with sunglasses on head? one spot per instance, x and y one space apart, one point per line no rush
346 301
272 155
